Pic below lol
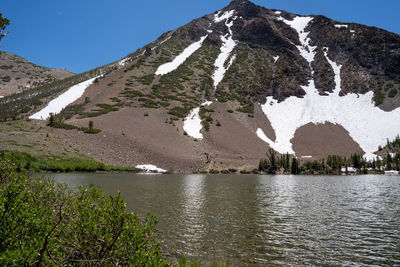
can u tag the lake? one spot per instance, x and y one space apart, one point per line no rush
258 220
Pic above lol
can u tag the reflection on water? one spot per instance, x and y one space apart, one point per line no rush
262 220
192 216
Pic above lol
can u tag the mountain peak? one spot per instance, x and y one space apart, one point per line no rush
244 8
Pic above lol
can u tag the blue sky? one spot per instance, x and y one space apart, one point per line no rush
83 34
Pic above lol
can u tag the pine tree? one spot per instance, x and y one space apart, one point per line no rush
3 24
295 166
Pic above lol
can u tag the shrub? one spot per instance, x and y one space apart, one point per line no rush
392 93
45 224
378 97
91 131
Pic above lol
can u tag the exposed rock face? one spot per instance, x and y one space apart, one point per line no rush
18 74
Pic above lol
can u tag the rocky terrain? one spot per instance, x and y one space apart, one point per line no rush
18 74
218 92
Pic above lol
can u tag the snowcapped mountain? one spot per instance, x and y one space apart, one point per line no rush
218 92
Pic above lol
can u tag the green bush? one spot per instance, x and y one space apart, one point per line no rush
91 131
45 224
147 79
392 93
378 97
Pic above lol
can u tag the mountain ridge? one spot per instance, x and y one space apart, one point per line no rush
221 90
18 74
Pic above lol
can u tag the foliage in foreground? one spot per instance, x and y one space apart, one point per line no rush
42 223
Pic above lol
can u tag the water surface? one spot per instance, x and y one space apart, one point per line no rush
258 220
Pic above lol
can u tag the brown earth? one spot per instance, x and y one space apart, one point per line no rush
18 74
321 140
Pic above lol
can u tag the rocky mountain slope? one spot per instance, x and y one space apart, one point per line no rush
18 74
218 92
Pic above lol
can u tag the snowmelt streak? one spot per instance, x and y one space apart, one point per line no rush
228 44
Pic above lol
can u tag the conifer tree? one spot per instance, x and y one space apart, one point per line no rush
3 24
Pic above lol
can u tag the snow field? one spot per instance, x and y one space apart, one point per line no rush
56 105
368 125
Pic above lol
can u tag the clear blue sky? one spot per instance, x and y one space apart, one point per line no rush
82 34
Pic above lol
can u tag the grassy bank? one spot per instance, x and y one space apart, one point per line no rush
25 161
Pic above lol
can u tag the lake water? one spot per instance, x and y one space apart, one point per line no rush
258 220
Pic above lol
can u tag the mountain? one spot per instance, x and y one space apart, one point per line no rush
218 92
18 74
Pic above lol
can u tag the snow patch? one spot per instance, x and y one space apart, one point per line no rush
192 123
228 44
339 26
171 66
299 24
1 96
349 169
206 103
352 31
150 168
123 62
275 58
57 104
306 157
278 12
225 16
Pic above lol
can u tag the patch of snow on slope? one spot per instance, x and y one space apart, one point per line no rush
123 62
339 26
57 104
150 168
275 58
228 44
225 16
1 96
192 123
171 66
278 12
300 24
206 103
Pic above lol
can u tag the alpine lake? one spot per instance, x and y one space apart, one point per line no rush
262 220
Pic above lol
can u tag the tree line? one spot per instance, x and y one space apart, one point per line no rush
284 163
